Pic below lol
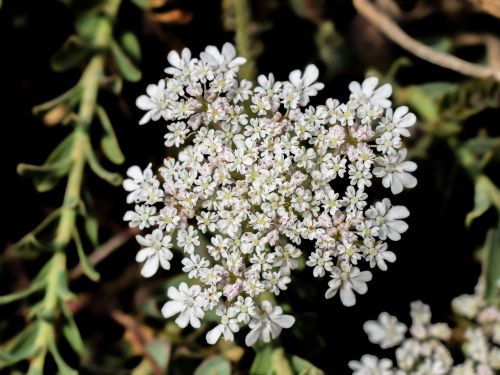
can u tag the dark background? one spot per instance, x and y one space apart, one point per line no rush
434 257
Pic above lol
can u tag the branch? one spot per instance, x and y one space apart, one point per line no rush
392 31
105 250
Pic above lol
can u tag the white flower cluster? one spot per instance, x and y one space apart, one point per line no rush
425 352
261 171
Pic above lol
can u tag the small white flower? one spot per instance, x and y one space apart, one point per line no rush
306 83
228 325
156 252
155 103
185 301
371 365
267 323
397 122
388 218
394 171
188 239
176 135
387 331
346 279
321 261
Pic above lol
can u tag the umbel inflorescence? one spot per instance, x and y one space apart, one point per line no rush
258 172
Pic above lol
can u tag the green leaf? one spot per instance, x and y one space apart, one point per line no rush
491 265
125 66
112 178
216 365
45 177
20 347
109 142
71 331
86 24
262 362
33 288
486 194
303 367
89 217
62 366
72 53
131 45
87 267
63 286
143 4
160 351
70 95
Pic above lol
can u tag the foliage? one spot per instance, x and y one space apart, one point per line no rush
457 135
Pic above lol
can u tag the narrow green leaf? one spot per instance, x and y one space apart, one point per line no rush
216 365
20 347
72 53
303 367
71 331
280 364
72 93
143 4
125 66
491 265
263 361
86 24
87 211
62 366
486 194
112 178
109 142
63 290
131 45
45 177
160 351
87 267
34 287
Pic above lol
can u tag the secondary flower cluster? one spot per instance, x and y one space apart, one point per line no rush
425 352
261 171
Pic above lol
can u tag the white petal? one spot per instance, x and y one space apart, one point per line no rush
311 74
347 295
285 321
252 336
171 308
214 334
150 266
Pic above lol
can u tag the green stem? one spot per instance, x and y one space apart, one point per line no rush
243 38
89 85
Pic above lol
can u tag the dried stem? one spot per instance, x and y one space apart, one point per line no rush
392 31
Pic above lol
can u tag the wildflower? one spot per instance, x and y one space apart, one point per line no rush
185 301
386 331
156 252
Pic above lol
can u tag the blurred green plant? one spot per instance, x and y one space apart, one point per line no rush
94 47
444 108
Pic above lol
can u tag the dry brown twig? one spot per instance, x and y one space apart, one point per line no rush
105 250
392 31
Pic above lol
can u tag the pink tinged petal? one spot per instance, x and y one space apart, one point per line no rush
253 336
311 74
284 321
183 319
347 295
171 308
214 334
150 266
